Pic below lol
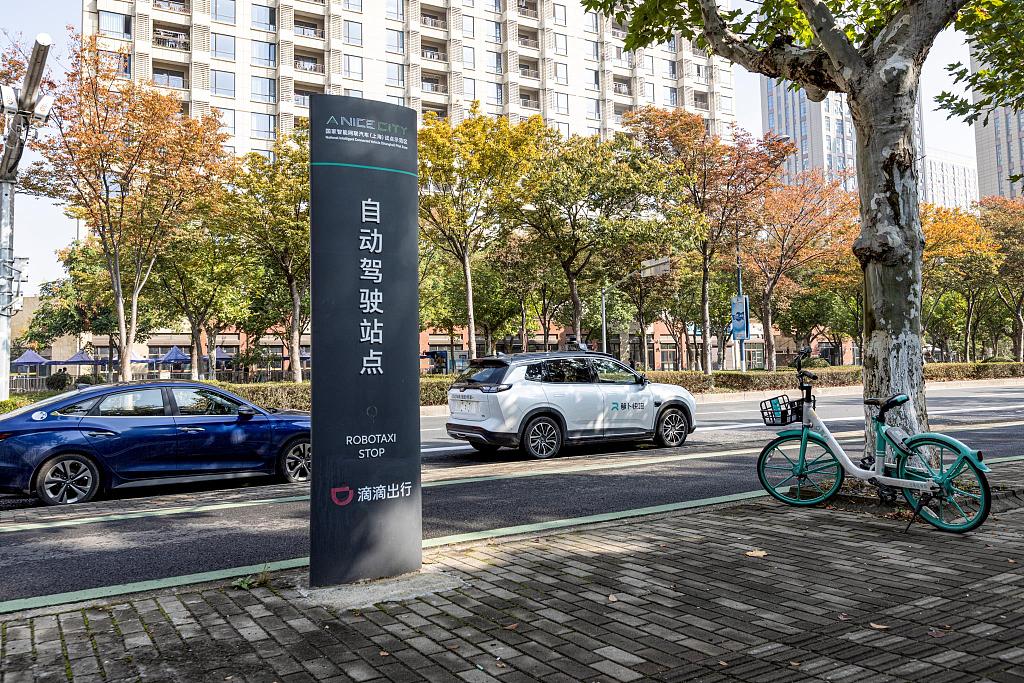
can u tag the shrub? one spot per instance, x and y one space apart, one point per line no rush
694 382
58 381
434 389
951 372
809 363
89 379
14 403
842 376
998 359
273 395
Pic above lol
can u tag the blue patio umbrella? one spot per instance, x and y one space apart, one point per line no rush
175 355
219 354
80 358
136 359
28 358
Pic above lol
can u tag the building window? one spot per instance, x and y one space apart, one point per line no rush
497 95
469 57
494 62
494 31
649 92
396 99
353 67
562 128
354 5
593 50
469 88
263 89
395 9
264 18
649 64
395 41
222 46
222 83
169 78
593 79
396 74
561 44
559 14
227 120
593 109
263 53
590 22
353 33
670 68
468 27
264 126
115 25
700 100
223 10
493 5
671 96
353 93
561 103
561 73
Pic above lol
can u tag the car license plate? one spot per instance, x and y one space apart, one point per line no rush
464 405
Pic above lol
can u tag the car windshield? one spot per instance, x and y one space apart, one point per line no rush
482 372
42 405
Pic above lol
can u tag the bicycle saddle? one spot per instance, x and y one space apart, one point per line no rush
887 403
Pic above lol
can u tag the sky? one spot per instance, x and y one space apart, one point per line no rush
41 228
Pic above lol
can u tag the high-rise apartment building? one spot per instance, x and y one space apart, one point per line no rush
258 61
822 131
949 180
999 143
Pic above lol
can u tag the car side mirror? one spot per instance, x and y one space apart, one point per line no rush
641 379
246 412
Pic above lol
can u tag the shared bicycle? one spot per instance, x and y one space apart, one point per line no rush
942 479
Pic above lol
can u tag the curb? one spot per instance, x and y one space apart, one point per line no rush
741 396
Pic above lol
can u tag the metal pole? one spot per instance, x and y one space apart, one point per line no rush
604 327
6 284
739 293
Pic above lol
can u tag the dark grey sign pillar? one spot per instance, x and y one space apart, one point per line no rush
365 511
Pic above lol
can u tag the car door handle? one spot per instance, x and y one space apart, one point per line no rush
101 433
191 430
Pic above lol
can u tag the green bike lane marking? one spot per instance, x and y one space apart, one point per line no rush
101 592
627 461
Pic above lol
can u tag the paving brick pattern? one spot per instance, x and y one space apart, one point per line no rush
839 596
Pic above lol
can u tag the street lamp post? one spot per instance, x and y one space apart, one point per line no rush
21 108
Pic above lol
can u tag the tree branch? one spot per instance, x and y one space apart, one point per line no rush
782 59
844 56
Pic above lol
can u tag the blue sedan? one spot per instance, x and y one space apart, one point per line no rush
69 448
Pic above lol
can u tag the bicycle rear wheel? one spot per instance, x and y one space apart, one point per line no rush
965 499
786 477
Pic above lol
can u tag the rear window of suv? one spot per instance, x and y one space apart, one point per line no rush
482 372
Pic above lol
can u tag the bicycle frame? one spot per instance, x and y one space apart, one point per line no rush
812 423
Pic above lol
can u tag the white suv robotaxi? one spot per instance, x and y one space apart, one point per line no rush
540 401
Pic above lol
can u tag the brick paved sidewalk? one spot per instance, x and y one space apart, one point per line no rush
838 596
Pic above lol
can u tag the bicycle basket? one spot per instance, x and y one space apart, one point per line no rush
780 411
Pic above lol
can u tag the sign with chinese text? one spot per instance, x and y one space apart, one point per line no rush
365 511
740 318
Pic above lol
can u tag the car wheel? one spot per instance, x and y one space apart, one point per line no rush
296 461
485 448
67 479
673 428
542 438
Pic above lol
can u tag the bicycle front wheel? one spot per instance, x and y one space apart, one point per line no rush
799 481
964 500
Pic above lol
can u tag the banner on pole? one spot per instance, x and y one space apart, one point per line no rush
740 318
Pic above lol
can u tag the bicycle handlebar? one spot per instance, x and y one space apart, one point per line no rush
808 374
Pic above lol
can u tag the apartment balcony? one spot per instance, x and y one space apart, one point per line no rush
434 88
176 6
434 56
531 43
172 80
171 40
434 22
309 67
529 9
313 32
527 103
619 33
301 100
529 72
622 89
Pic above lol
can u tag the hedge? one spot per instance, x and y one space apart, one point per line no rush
952 372
759 380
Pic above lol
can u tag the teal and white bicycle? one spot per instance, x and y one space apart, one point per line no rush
941 478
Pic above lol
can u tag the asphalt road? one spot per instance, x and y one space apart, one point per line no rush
465 492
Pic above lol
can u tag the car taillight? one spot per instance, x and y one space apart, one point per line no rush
5 435
495 388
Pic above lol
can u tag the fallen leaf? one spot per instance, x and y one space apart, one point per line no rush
880 627
612 598
723 663
385 653
512 627
1012 561
501 665
843 616
794 663
937 632
755 553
